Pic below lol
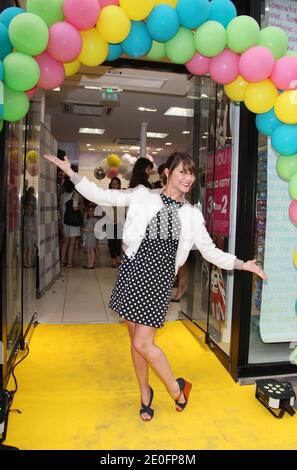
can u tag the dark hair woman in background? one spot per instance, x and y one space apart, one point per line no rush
141 173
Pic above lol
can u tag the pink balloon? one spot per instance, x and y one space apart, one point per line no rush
82 14
105 3
293 211
198 65
256 64
284 74
52 72
223 68
112 172
65 42
31 93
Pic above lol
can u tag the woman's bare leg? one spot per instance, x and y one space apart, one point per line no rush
143 343
141 370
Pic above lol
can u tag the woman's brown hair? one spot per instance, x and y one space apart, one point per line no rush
185 159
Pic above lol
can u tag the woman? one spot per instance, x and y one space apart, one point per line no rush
141 173
160 230
114 226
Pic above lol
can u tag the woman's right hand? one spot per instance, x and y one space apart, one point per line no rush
64 165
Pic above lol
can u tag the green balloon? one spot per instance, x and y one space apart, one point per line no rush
181 48
286 166
210 38
16 104
157 51
293 186
242 33
291 53
275 39
21 71
1 125
28 33
51 11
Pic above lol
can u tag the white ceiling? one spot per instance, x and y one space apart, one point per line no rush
124 121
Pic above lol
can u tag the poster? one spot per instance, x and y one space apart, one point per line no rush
278 320
283 14
218 178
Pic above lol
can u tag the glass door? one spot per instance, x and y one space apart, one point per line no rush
215 148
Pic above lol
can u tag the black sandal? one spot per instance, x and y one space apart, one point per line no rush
147 408
185 388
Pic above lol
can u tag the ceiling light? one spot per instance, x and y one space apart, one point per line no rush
156 135
92 87
91 150
88 145
204 137
57 89
181 112
159 149
88 130
186 132
149 110
168 143
154 153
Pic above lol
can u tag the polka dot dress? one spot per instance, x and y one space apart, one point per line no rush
143 287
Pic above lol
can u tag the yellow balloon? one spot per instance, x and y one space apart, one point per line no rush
113 24
137 9
171 3
295 258
71 68
113 160
285 107
94 49
236 90
32 156
261 96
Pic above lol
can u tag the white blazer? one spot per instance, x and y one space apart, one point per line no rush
143 206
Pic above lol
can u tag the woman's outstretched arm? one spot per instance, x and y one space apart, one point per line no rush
106 197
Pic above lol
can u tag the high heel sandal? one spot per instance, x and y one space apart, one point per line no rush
147 408
185 388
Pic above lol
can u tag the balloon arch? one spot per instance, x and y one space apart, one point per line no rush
49 41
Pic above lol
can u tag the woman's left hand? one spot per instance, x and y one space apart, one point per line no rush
254 268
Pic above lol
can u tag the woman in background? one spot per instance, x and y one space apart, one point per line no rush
141 173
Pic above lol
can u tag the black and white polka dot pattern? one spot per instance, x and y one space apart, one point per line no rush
143 287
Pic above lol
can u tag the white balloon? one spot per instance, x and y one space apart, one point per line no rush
123 168
104 164
126 158
133 160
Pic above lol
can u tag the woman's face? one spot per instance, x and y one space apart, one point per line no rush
181 179
115 184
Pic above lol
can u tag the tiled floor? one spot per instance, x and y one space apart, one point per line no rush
81 296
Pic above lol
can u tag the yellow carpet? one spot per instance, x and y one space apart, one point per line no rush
77 391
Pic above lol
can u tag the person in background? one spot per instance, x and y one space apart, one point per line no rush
141 173
114 226
160 231
162 178
70 233
89 236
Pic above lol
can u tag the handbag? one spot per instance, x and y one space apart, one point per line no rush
72 217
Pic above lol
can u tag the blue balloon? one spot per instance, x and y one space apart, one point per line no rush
139 42
193 13
1 101
284 139
5 44
267 122
222 11
8 14
1 72
163 23
115 51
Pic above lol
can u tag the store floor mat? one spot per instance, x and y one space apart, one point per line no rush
77 390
